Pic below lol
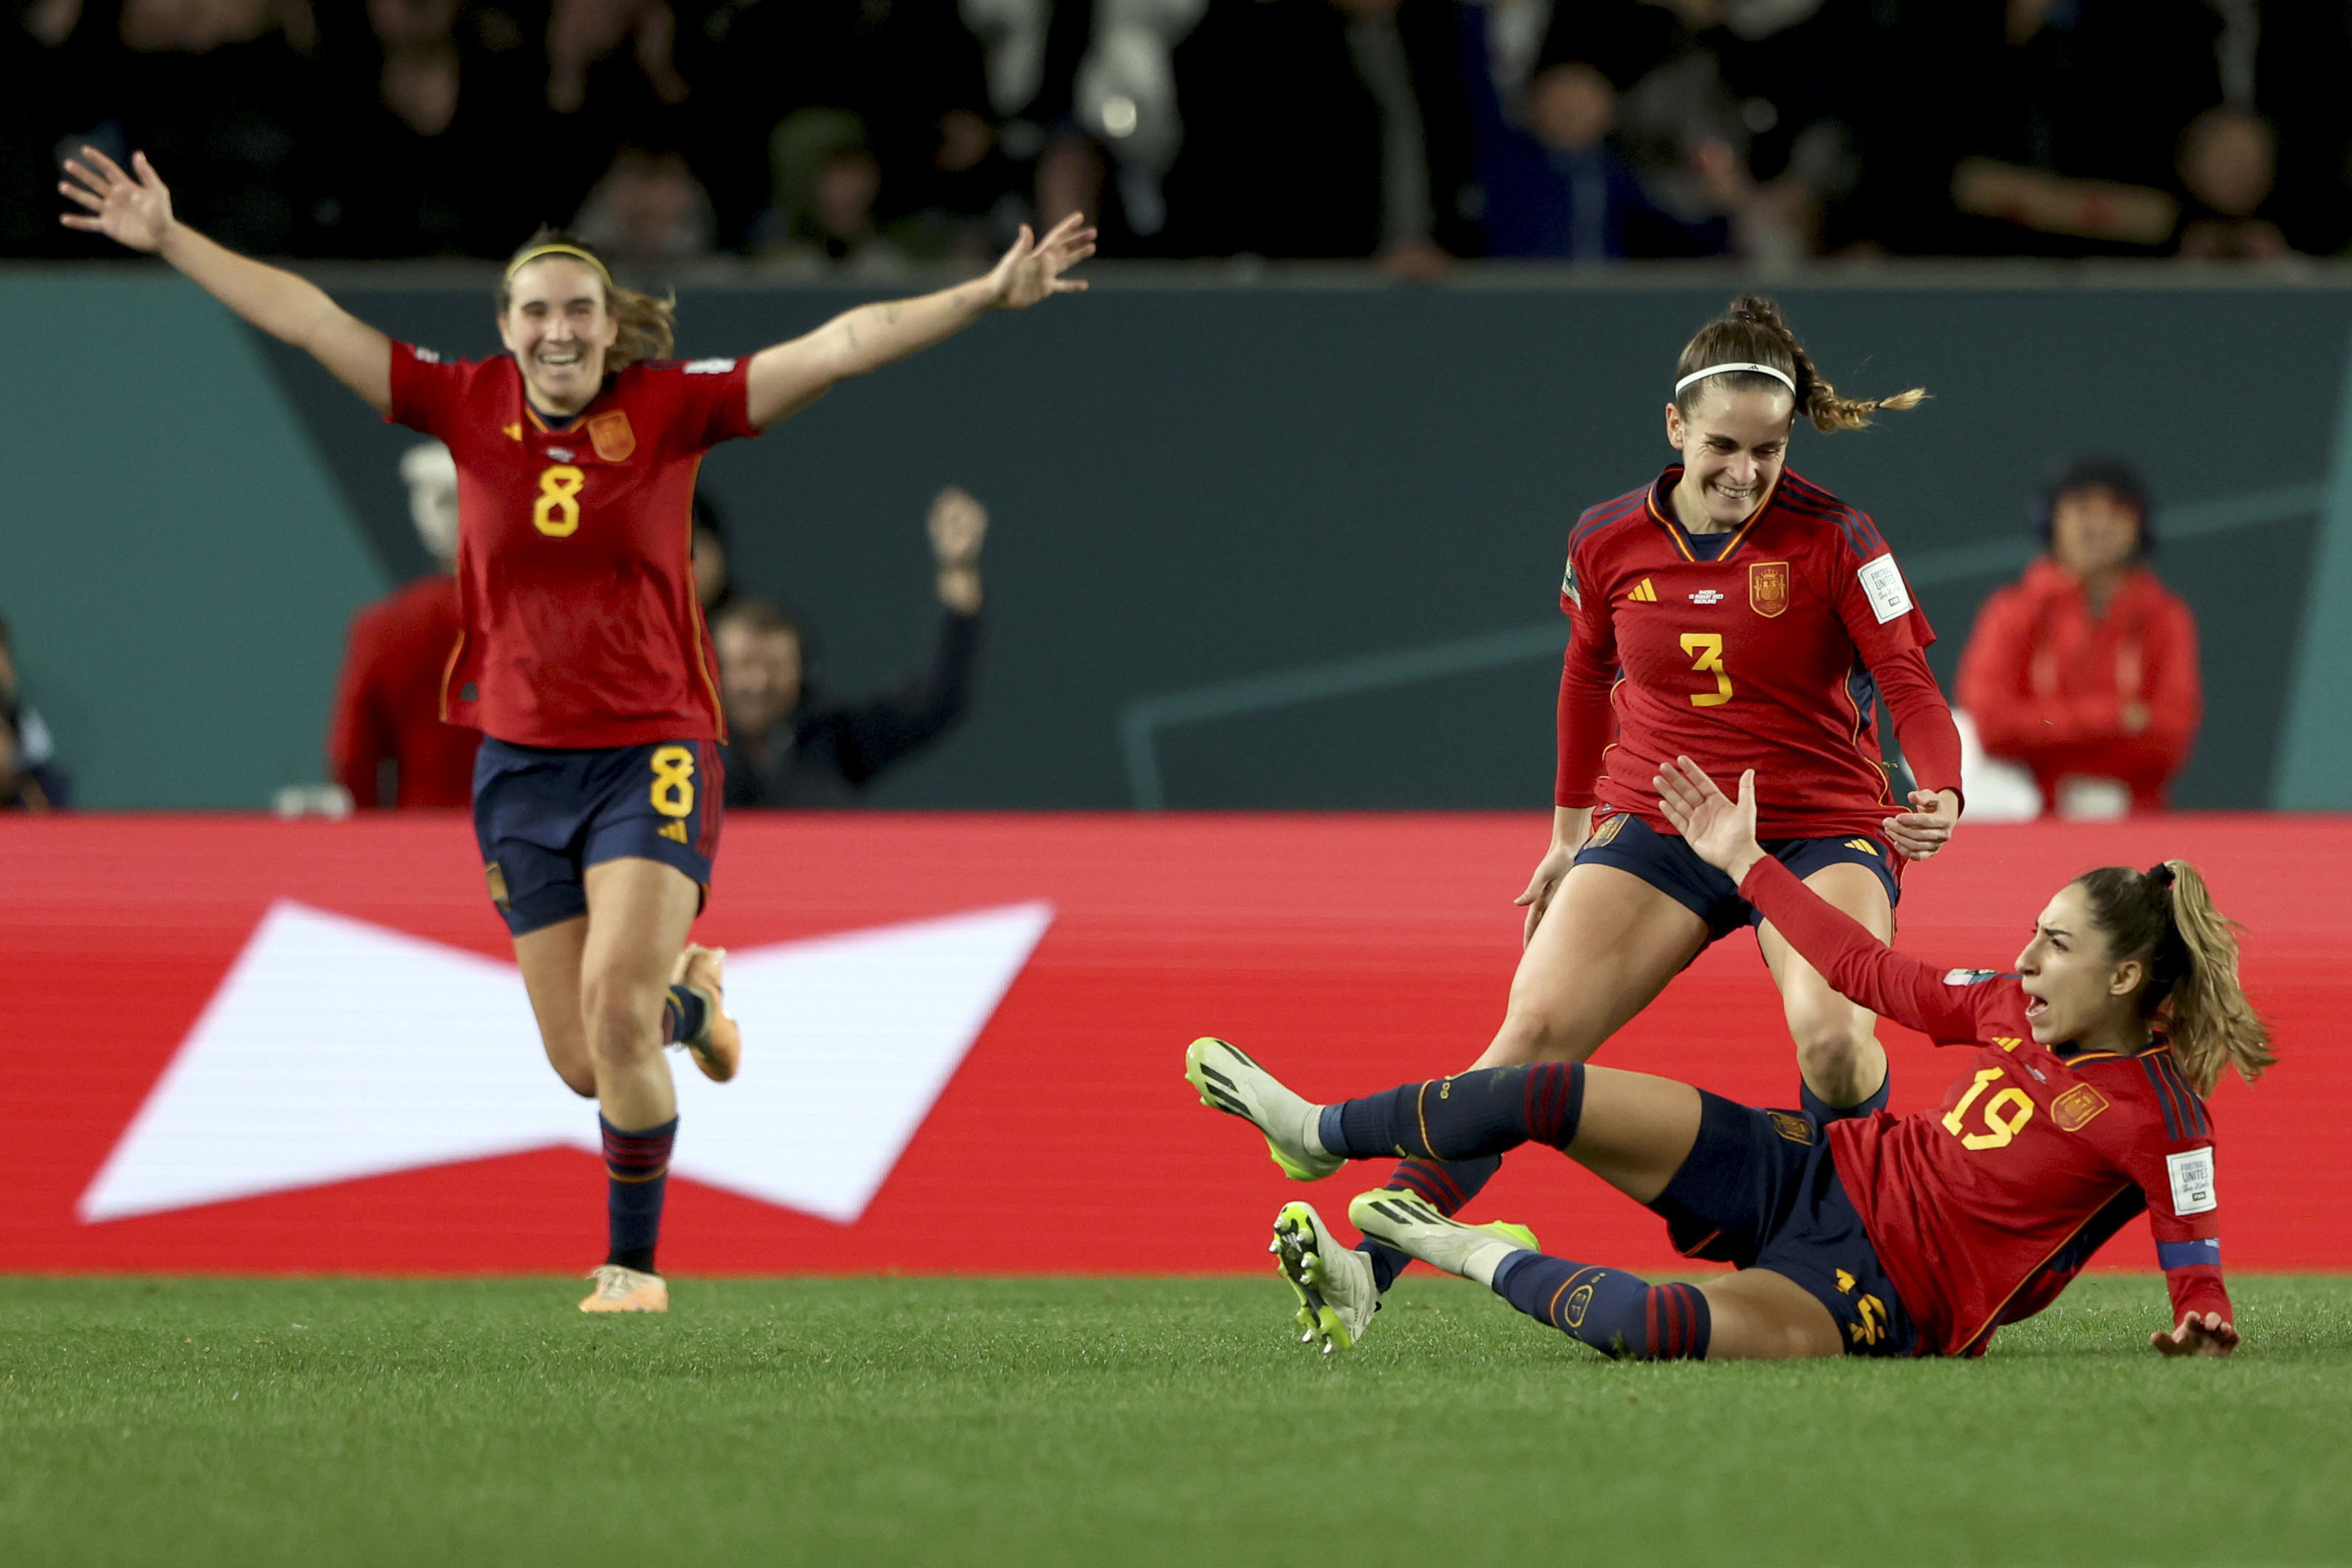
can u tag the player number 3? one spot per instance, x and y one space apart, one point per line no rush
1998 1128
556 513
1709 646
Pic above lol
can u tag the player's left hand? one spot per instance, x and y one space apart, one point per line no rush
1719 830
1928 826
1033 269
2208 1335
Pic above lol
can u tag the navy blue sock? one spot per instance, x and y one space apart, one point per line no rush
682 1015
1466 1117
1822 1111
1613 1312
636 1170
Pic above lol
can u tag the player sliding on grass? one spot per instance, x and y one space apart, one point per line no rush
1916 1235
581 656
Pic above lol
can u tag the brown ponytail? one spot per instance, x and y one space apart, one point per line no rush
648 326
2165 918
1750 331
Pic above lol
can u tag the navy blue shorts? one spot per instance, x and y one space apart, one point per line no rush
1760 1191
1669 864
543 815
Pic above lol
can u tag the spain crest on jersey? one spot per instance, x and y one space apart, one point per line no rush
1768 588
610 433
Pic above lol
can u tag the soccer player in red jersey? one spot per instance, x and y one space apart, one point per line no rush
581 656
2081 1107
1735 611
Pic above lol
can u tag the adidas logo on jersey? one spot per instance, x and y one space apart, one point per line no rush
1864 845
1641 593
1706 595
675 831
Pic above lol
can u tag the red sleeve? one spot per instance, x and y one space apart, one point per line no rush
424 389
1861 968
1923 720
359 737
1588 671
2175 698
713 402
2183 1212
1891 633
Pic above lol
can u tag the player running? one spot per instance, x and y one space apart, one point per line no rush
1918 1234
1735 611
583 657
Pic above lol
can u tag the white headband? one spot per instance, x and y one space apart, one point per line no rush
1776 374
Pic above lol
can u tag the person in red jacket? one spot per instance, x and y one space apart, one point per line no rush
2085 670
2079 1105
388 702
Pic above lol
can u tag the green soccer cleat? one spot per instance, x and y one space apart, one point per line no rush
1231 1082
1337 1294
1410 1223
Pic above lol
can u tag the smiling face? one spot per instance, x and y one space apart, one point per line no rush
557 324
2076 989
1733 444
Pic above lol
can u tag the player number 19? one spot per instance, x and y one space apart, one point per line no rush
1998 1128
1709 646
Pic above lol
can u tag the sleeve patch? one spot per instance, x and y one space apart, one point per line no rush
1568 585
2192 1181
424 355
2204 1252
721 368
1968 977
1882 582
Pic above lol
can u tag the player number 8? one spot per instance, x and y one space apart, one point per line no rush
556 513
673 781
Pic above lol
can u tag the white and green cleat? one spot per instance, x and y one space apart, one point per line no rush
1230 1082
1337 1294
1410 1223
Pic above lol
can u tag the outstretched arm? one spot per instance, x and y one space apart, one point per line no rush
136 212
787 377
1857 964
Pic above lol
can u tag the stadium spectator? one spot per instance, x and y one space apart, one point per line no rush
2084 671
648 213
828 183
714 577
1324 128
2229 165
386 744
788 745
30 779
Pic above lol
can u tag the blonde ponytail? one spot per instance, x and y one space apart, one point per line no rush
2165 918
1752 331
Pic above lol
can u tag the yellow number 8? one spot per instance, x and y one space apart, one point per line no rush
673 781
556 513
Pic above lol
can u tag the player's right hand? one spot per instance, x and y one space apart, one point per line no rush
1543 884
1719 830
2208 1335
136 212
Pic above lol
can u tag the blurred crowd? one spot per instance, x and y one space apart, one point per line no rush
871 134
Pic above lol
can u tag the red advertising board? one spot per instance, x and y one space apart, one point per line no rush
242 1045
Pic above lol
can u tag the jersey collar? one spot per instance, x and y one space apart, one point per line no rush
1679 536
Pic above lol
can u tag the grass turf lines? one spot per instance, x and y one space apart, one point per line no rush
1124 1421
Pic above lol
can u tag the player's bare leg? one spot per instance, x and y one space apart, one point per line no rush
1605 949
717 1045
1837 1042
549 961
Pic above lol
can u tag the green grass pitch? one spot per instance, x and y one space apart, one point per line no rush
1125 1421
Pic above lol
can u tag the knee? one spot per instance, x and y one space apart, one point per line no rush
1532 1034
623 1020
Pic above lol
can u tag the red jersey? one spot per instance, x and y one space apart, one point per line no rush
2047 679
1983 1209
388 702
575 577
1770 656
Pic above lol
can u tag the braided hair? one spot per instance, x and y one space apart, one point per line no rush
1751 331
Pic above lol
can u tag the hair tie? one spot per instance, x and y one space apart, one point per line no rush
558 248
1777 374
2160 873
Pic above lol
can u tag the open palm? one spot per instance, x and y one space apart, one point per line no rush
1721 831
1033 269
133 212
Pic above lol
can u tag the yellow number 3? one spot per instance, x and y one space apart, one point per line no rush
1709 646
673 781
556 513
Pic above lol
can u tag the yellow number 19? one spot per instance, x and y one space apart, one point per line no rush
1998 1129
1709 646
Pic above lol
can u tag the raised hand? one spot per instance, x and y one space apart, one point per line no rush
1722 832
1033 269
2208 1335
133 212
957 523
1927 827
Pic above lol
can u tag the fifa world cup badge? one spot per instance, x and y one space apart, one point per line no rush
1768 588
